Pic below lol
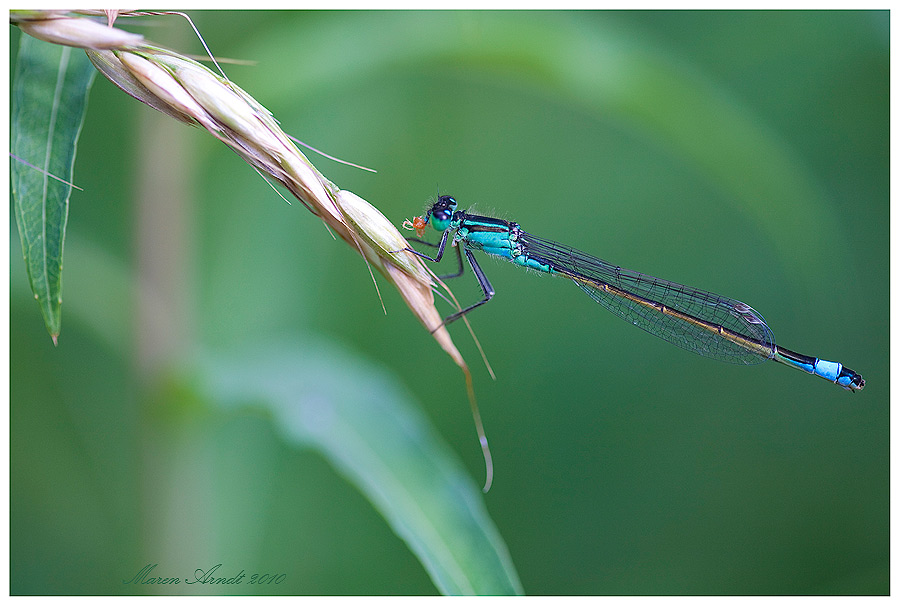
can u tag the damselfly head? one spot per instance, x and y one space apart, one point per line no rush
442 212
444 204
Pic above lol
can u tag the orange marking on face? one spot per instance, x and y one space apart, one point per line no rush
419 225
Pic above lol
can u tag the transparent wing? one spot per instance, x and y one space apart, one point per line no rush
699 321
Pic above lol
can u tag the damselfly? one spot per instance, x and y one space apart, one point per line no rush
699 321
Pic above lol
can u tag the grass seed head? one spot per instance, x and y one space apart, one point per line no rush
380 233
188 91
80 33
161 83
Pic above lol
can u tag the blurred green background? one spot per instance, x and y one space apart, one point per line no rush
744 153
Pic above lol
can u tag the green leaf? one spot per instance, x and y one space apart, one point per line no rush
49 99
363 422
